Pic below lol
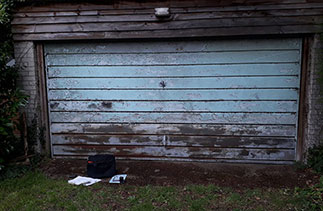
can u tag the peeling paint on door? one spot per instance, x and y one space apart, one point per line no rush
234 101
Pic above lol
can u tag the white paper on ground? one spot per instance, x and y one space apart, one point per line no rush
116 178
86 181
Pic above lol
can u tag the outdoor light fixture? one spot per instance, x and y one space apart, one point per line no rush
162 12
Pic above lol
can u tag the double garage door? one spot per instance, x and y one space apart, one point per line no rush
214 100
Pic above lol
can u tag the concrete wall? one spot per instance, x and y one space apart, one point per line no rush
314 122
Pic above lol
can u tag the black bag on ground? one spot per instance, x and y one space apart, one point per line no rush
101 166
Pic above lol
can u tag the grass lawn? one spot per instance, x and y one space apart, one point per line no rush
34 191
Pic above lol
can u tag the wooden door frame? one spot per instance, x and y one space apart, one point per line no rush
303 97
307 42
43 114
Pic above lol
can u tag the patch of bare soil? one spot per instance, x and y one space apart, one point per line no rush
185 173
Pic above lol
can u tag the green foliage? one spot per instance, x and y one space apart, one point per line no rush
32 136
5 7
5 35
11 98
16 171
311 197
315 158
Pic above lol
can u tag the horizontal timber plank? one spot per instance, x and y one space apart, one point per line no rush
184 152
175 58
223 5
140 117
175 129
189 24
193 46
148 16
42 14
168 95
174 71
174 33
218 160
182 141
256 7
152 106
82 19
175 83
299 10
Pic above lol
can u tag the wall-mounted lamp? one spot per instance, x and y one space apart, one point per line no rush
162 12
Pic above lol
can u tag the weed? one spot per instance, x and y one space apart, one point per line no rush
311 197
315 158
198 204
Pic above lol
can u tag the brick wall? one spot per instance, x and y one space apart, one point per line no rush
25 59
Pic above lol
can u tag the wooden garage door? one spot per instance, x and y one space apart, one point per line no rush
234 100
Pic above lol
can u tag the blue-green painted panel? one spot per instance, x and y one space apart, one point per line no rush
165 95
174 46
175 71
137 117
179 141
174 58
176 83
188 153
229 130
153 106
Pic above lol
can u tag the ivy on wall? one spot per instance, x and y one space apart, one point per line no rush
11 98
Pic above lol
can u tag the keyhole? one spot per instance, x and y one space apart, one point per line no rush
162 84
